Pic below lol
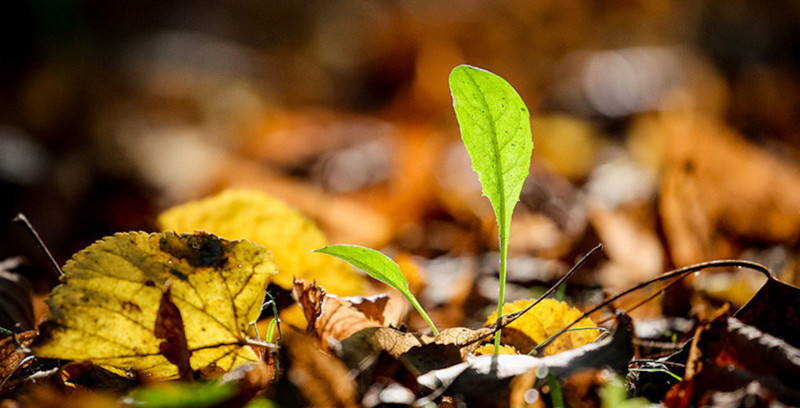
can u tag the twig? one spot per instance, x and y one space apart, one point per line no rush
22 219
507 319
685 271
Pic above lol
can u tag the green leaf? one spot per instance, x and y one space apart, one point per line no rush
495 127
374 263
380 267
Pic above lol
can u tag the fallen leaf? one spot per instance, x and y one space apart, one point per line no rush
489 349
727 354
420 353
774 309
16 304
332 317
11 353
321 377
729 341
342 218
105 309
632 246
267 221
541 322
482 379
703 205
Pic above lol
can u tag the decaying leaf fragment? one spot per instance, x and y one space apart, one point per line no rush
106 308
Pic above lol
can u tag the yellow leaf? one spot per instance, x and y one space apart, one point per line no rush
106 307
290 236
541 322
488 349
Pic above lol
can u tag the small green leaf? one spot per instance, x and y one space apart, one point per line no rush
380 267
374 263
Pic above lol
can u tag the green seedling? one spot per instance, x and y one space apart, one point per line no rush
380 267
495 127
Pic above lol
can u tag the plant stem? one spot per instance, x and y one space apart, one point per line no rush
556 396
501 296
424 315
657 370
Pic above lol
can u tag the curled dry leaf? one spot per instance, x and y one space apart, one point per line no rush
105 309
332 317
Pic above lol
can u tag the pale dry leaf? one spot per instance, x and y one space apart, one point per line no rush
333 317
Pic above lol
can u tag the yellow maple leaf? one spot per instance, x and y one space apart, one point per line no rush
106 307
290 236
542 321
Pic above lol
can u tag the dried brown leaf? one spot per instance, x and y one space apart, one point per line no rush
332 317
774 309
703 204
169 327
322 379
10 353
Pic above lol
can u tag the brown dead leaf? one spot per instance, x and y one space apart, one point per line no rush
633 247
169 327
420 353
522 393
10 354
47 396
309 297
332 317
774 310
16 304
581 389
703 201
321 378
727 354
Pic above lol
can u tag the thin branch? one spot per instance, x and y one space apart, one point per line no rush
22 219
507 319
685 271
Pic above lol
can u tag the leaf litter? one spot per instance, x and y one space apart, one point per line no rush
723 359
